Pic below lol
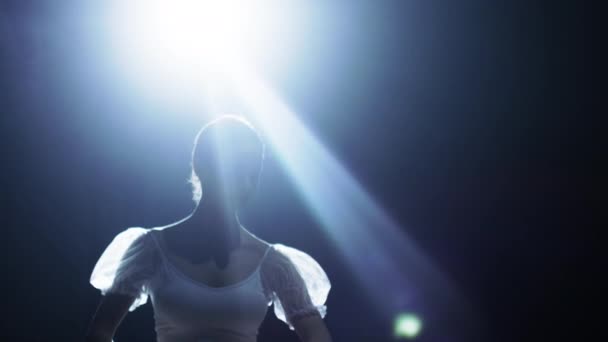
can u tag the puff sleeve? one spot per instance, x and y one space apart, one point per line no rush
126 265
295 283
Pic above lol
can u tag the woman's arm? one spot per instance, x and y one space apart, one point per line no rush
112 309
312 329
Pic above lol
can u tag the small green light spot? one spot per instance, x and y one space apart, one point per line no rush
407 326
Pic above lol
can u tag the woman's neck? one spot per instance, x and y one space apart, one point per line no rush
199 238
213 224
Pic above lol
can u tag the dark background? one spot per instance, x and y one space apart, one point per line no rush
463 119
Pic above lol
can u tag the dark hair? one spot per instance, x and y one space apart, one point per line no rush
194 180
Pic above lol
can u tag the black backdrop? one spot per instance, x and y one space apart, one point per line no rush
476 146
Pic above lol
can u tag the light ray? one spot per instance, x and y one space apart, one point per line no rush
371 242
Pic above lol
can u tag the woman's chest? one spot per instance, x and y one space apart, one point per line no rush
241 265
182 301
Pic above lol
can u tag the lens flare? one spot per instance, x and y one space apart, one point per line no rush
407 326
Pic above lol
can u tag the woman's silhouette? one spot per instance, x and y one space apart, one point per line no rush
209 278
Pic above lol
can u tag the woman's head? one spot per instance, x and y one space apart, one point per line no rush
226 162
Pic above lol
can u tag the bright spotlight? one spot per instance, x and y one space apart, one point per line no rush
192 36
407 326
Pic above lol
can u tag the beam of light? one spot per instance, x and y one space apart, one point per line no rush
396 273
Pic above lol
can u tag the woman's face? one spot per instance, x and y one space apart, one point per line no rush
229 166
239 171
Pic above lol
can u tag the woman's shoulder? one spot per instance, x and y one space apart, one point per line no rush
131 243
284 259
291 269
131 237
282 251
132 233
254 243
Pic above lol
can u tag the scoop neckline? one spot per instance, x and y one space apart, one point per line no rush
159 241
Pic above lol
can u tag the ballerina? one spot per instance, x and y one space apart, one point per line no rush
208 277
